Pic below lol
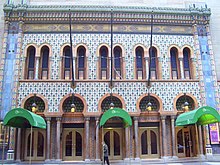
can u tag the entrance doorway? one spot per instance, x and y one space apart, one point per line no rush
185 145
38 144
73 144
149 142
113 139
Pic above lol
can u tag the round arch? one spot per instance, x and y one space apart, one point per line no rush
108 95
174 46
37 95
146 95
75 95
191 50
180 95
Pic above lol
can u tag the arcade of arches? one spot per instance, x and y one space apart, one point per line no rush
78 136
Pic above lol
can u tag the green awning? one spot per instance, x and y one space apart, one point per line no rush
201 116
22 118
116 112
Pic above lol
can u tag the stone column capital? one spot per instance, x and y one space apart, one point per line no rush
173 117
163 117
136 118
87 118
58 118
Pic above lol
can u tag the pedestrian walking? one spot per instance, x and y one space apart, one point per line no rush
105 153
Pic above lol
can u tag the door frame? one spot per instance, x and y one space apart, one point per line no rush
111 150
65 132
148 129
35 137
188 147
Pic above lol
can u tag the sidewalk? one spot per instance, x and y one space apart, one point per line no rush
168 161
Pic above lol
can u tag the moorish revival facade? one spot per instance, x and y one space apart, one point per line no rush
37 67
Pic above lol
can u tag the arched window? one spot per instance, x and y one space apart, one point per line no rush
117 66
108 100
153 63
44 63
181 101
40 105
144 102
140 63
67 64
186 63
30 62
77 101
104 64
81 63
175 71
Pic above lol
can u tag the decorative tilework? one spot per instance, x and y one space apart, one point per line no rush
92 92
128 41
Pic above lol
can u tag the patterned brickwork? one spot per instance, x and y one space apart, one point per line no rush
92 92
128 41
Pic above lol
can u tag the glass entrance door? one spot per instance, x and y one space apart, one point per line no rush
38 144
185 146
149 142
73 144
113 139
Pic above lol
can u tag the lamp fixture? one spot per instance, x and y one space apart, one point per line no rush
149 106
73 106
34 105
112 105
186 104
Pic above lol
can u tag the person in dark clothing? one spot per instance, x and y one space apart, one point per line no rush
105 153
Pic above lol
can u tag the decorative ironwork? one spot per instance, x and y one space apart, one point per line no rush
78 104
180 103
145 101
40 105
106 103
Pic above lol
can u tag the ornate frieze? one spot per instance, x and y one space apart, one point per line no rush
92 92
105 28
102 14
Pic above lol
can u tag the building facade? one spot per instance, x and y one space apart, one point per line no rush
37 67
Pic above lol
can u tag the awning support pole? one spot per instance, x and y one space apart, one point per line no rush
30 146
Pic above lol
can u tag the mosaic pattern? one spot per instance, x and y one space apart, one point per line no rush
92 41
92 92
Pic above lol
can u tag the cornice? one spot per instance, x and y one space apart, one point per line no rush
122 14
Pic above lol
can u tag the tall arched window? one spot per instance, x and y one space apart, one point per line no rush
30 62
140 63
117 66
175 71
67 64
104 65
153 63
186 63
44 63
81 63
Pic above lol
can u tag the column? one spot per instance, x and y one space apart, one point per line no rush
193 70
181 68
10 152
200 141
159 76
18 149
58 138
74 69
37 68
173 136
97 151
147 66
48 139
164 138
127 142
137 147
87 138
